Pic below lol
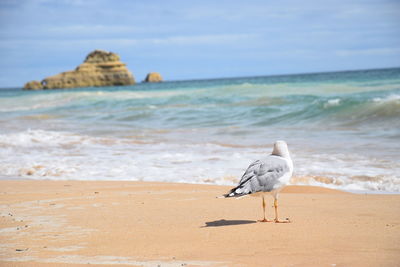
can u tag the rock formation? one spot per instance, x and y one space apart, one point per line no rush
153 77
100 68
33 85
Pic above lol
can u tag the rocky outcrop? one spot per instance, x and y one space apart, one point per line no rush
153 77
33 85
100 68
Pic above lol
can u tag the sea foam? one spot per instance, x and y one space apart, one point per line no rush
39 154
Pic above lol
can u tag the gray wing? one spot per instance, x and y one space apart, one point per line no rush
261 176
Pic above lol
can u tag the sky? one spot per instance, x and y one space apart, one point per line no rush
186 40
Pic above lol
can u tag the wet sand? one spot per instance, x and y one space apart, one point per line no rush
73 223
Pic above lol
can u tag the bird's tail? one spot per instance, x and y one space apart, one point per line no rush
235 192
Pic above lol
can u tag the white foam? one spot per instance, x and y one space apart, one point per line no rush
39 154
390 98
348 172
332 103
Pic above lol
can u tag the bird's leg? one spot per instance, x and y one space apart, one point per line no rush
263 204
276 213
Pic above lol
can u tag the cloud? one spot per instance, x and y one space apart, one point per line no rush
202 39
368 52
180 40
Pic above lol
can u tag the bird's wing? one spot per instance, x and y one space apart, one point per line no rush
261 176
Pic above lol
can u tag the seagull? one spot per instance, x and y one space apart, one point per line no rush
266 176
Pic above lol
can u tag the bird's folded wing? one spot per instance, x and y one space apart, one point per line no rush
261 176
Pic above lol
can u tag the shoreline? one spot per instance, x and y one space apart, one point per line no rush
358 192
69 222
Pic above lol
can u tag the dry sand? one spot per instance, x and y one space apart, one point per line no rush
73 223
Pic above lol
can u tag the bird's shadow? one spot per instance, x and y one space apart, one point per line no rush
227 223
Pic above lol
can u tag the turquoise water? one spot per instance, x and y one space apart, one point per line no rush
343 130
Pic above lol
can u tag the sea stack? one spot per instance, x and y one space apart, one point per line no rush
153 77
100 68
33 85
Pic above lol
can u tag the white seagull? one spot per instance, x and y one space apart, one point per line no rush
267 176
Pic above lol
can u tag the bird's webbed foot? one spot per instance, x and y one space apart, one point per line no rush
287 220
264 220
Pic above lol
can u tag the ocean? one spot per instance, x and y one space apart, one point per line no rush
342 129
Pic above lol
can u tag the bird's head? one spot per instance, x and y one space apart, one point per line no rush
281 149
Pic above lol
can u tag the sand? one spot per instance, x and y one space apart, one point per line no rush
73 223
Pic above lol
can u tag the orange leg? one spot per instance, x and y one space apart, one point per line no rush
276 213
263 204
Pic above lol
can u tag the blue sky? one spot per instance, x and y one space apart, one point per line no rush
198 39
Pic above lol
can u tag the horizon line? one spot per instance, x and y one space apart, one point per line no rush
239 77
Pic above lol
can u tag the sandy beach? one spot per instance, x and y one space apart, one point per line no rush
73 223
